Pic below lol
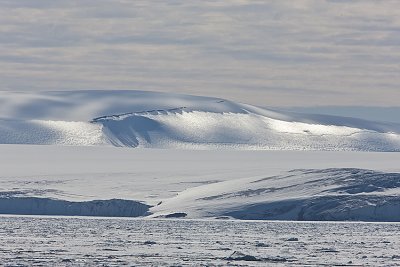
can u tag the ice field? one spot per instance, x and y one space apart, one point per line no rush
63 241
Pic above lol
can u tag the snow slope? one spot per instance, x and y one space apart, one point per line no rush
160 120
292 185
312 195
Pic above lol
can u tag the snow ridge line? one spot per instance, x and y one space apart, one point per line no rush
122 115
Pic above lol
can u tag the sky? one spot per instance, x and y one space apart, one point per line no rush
268 53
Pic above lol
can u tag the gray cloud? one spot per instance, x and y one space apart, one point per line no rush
280 53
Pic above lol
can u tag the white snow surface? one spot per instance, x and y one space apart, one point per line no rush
314 194
203 169
161 120
284 185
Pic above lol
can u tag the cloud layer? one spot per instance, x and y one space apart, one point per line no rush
279 53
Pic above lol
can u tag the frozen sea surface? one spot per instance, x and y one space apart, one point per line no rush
66 241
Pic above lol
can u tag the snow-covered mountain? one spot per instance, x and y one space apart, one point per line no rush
82 172
161 120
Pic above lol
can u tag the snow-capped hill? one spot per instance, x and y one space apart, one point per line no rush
161 120
328 194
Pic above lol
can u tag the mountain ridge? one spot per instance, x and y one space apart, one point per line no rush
164 120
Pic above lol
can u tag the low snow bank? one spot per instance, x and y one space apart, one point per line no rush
315 195
48 206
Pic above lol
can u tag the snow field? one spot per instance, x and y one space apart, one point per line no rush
160 120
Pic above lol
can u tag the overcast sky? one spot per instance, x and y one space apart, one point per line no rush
269 53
